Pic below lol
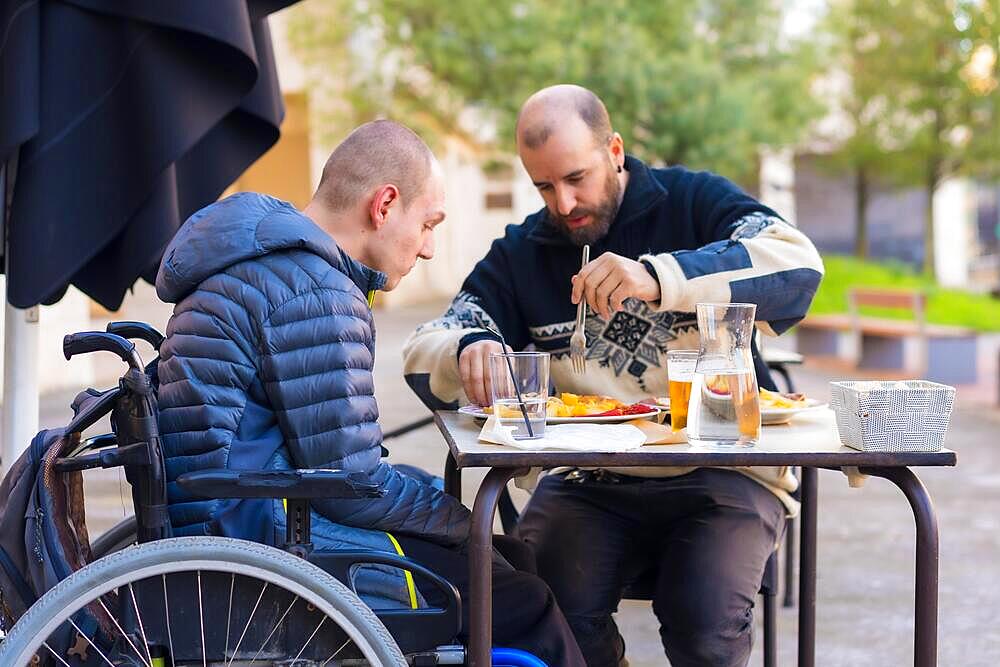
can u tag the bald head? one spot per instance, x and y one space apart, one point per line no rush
549 108
374 154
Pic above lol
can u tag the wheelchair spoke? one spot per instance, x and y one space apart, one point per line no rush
166 615
229 613
318 626
121 630
142 630
54 654
274 629
337 652
247 626
201 622
92 644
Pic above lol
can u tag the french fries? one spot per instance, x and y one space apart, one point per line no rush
775 400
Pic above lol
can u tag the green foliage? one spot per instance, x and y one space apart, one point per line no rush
944 306
922 95
700 82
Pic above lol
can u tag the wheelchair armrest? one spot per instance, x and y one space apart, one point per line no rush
413 629
291 484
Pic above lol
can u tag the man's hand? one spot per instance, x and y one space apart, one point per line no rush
607 281
474 369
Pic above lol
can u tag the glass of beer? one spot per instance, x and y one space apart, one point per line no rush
680 374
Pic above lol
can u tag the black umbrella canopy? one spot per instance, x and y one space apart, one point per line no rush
118 119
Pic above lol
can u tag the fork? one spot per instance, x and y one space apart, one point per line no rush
578 341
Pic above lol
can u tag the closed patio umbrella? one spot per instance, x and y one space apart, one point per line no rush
118 119
126 117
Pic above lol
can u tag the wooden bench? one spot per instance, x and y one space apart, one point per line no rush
936 352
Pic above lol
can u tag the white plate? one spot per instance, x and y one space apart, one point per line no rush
477 412
661 402
772 416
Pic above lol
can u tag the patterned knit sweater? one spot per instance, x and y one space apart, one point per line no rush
704 240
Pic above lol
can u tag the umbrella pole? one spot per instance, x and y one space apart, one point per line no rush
20 382
20 366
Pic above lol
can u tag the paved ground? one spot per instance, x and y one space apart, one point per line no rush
866 537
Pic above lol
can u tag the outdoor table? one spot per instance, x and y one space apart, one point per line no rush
810 440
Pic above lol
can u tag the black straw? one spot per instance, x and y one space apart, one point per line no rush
517 390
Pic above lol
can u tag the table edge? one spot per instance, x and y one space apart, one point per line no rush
553 459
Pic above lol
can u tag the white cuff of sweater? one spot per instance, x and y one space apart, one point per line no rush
671 278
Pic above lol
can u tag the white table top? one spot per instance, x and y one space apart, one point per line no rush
810 439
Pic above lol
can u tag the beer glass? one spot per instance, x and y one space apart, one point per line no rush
725 405
680 374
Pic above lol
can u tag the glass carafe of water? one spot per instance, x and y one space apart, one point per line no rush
725 405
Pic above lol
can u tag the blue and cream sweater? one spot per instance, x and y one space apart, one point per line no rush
702 237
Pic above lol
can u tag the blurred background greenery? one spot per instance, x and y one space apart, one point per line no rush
956 307
702 83
893 93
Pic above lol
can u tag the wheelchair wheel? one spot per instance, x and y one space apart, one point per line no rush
207 601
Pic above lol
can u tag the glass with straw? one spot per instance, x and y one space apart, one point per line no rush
519 390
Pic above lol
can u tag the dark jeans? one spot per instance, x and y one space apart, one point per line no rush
705 537
525 614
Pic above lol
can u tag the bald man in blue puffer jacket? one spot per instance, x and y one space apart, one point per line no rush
268 364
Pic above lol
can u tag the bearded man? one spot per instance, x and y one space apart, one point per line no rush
662 240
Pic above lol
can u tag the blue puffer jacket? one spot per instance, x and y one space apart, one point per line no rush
268 364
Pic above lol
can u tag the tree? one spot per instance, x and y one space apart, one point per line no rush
923 92
704 82
859 107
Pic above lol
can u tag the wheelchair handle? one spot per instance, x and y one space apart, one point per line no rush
140 330
97 341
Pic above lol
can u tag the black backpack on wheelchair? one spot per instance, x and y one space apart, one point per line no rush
166 601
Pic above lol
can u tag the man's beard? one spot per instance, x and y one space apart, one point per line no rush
601 217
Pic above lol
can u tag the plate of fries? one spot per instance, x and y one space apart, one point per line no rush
570 408
779 407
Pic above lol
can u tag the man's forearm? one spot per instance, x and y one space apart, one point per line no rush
430 354
409 507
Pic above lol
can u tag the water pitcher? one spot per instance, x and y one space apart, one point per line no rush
725 407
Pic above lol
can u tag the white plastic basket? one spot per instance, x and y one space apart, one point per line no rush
886 416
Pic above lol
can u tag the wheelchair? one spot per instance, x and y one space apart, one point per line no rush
145 598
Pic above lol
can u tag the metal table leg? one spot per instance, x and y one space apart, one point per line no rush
790 530
452 478
481 564
926 575
807 571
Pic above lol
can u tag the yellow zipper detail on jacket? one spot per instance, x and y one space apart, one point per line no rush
371 297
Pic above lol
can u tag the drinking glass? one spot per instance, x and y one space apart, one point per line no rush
520 388
725 406
680 375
